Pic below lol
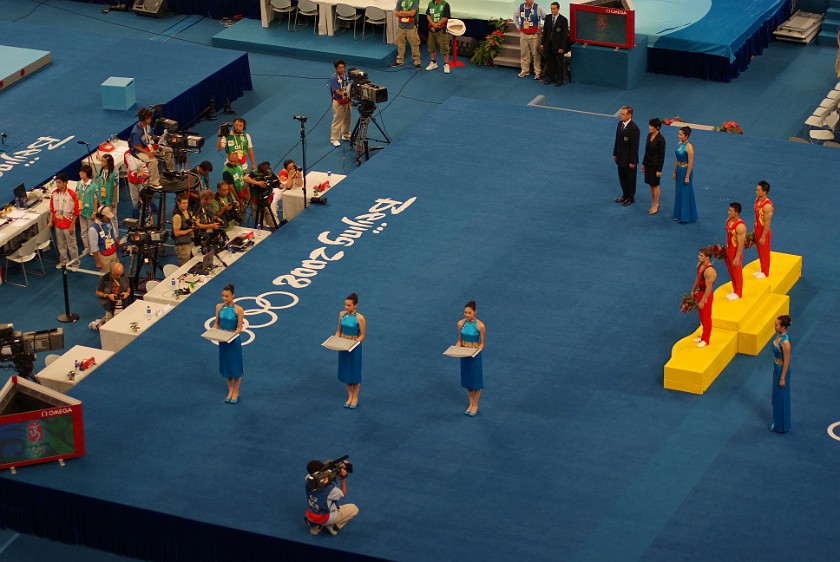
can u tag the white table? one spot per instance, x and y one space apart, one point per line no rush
326 14
16 224
55 375
118 154
293 202
165 294
118 333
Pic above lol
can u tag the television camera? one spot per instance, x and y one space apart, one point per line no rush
362 90
19 348
332 470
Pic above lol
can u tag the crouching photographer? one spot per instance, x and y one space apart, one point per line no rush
324 508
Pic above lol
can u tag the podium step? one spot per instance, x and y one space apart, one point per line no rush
785 271
693 369
730 315
758 328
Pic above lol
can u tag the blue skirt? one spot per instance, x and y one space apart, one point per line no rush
472 372
781 401
230 359
350 366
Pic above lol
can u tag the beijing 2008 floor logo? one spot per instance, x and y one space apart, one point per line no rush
832 431
268 303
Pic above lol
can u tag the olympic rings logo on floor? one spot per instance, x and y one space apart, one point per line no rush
832 431
265 307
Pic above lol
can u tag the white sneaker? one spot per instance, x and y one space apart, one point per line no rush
315 529
332 529
432 66
732 296
523 74
446 69
759 275
696 340
336 143
702 344
345 136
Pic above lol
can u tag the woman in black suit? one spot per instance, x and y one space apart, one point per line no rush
653 161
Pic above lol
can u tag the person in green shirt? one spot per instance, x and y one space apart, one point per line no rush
238 142
437 15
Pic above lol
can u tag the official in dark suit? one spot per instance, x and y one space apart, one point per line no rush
626 155
555 44
653 161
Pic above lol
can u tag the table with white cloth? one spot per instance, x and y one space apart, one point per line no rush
56 375
118 331
293 202
326 14
120 147
165 292
16 225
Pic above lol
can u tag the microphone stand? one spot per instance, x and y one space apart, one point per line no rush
89 156
302 119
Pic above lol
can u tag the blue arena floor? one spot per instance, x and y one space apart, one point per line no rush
581 299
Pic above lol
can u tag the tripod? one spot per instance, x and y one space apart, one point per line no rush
359 138
259 215
302 119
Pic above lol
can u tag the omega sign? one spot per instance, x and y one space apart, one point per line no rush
56 412
616 12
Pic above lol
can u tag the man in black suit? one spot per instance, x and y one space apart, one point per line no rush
555 43
626 154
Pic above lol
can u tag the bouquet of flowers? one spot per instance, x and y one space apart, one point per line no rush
688 303
718 252
749 240
730 127
490 48
320 187
669 121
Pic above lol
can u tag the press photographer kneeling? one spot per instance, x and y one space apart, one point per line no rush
324 510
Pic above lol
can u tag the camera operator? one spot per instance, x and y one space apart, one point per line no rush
238 142
140 144
207 223
234 174
264 197
324 510
226 207
340 90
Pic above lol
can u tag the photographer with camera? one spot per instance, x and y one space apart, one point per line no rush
238 142
226 207
113 292
263 198
233 173
102 239
324 508
340 90
184 224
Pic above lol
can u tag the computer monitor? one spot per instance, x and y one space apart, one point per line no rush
20 195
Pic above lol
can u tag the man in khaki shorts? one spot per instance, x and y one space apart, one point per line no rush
438 14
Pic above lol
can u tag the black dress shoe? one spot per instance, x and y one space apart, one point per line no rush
627 202
619 199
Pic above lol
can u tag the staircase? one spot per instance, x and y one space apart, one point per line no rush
511 54
828 33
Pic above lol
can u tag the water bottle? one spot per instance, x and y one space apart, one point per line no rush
148 312
329 177
76 365
173 283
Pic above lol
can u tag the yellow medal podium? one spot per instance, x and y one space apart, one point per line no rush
741 326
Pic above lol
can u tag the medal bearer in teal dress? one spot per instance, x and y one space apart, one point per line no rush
471 334
685 208
351 325
230 316
781 376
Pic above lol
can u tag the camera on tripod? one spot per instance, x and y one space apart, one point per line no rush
176 139
19 348
215 240
271 181
234 214
332 470
224 128
362 90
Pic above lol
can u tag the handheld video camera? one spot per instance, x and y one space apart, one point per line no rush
224 128
332 469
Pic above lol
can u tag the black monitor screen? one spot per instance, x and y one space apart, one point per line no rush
20 192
